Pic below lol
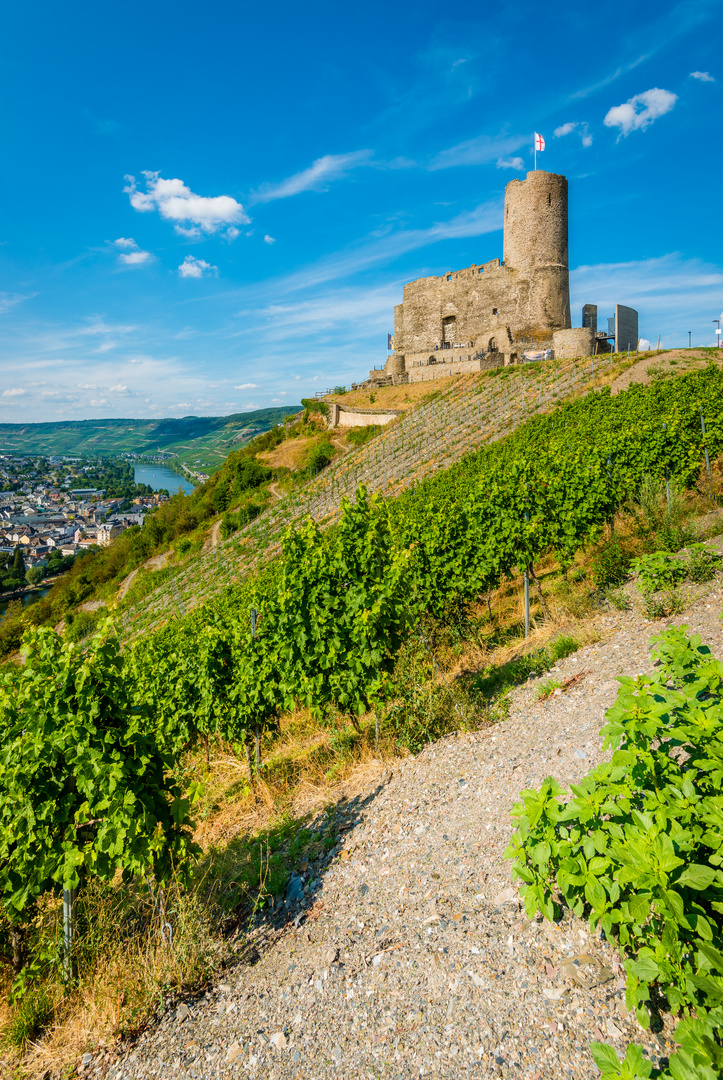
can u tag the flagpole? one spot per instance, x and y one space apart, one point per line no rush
535 145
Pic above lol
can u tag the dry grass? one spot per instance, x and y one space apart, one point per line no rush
290 454
390 397
656 365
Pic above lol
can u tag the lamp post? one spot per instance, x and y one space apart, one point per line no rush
689 336
717 331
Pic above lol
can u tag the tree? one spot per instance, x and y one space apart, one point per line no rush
34 575
18 564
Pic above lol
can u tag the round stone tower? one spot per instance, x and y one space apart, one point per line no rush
536 245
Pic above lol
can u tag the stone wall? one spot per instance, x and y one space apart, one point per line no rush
571 343
457 367
344 416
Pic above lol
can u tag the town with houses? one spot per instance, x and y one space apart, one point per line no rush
47 513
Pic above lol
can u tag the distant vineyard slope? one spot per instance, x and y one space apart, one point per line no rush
202 442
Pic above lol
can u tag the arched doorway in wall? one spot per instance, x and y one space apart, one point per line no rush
492 345
449 331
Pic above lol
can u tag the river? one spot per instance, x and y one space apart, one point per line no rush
26 600
158 476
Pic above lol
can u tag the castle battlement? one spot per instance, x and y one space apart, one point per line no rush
487 314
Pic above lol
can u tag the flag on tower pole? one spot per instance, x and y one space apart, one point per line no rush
539 145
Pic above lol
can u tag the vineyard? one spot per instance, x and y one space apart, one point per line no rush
309 607
473 412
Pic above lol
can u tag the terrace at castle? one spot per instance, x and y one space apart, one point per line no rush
488 314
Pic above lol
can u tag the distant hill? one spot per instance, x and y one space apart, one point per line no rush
202 442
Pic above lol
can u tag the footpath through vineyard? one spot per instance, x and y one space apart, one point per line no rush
407 953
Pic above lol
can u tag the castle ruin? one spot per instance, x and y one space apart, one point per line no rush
491 314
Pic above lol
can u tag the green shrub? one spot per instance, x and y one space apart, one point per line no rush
702 562
659 570
422 709
638 849
611 565
313 406
360 435
79 624
229 525
661 522
319 457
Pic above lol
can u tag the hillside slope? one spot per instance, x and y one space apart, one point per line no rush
408 945
196 440
455 417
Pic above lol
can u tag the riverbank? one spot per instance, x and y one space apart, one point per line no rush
160 477
27 596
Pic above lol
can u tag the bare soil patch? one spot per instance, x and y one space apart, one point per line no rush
674 362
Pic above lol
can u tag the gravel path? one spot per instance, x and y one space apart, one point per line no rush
408 954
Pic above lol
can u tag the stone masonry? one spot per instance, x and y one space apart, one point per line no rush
492 311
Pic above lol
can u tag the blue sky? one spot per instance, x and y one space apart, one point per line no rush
209 209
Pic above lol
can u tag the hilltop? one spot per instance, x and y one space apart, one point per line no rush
203 441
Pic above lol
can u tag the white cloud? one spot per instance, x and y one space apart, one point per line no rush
118 389
482 150
316 177
191 214
511 163
702 76
195 268
643 345
98 403
232 232
574 125
125 242
269 239
640 111
247 386
135 258
17 391
9 300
